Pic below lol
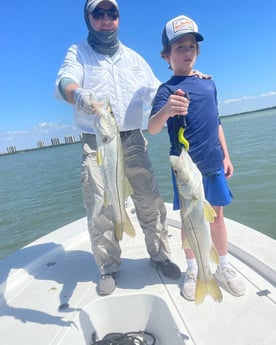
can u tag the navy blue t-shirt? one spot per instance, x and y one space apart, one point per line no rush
201 123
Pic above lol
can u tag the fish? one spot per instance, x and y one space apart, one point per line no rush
110 159
196 214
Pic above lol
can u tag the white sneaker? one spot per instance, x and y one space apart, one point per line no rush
189 286
228 278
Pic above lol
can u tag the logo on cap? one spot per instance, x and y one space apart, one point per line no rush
183 24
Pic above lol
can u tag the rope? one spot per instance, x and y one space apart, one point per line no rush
129 338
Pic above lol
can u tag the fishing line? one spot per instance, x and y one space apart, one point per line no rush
129 338
179 126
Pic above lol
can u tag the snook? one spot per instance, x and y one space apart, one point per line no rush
111 161
195 211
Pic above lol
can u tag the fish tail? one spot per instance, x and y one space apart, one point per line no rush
128 227
214 255
201 292
125 226
214 290
210 288
209 212
118 231
128 188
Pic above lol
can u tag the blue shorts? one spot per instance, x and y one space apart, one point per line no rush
215 186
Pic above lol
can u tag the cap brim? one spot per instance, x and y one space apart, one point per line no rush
197 36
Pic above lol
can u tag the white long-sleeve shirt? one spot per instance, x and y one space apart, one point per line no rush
126 79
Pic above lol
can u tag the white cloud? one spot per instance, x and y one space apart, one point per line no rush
268 94
45 131
48 127
17 132
29 138
247 103
238 100
51 125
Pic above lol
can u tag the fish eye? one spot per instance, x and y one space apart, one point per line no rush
105 139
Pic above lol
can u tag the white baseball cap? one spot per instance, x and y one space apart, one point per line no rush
177 28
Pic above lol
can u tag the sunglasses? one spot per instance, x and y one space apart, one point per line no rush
99 13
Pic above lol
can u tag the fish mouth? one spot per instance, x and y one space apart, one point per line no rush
183 184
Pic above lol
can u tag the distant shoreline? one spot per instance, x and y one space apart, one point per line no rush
249 112
77 142
36 148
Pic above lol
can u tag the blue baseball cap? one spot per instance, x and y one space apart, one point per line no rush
177 28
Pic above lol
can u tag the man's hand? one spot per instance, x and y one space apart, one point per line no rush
201 75
84 101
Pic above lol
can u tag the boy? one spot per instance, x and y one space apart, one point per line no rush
198 114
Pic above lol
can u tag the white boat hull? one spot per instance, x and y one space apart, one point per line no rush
48 292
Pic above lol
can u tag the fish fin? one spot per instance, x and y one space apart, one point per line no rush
106 200
210 288
209 212
99 158
128 227
214 255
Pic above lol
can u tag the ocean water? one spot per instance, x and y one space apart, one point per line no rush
40 190
251 142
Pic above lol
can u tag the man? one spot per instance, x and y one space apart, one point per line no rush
101 67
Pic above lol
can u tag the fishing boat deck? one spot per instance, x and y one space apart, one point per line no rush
48 292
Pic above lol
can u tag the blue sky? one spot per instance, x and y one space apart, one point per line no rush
239 51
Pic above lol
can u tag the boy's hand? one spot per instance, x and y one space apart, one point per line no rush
178 103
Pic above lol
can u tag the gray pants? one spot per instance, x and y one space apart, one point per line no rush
150 208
